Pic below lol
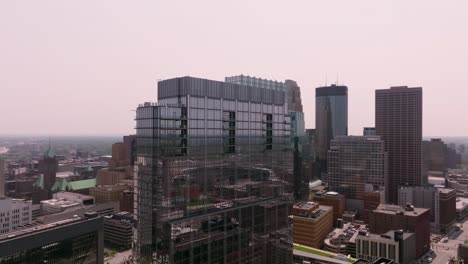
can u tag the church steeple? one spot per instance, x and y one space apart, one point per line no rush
49 153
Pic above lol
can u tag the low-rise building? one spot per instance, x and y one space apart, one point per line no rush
462 208
392 217
108 193
118 230
73 240
311 223
54 206
333 199
14 213
397 246
342 240
440 201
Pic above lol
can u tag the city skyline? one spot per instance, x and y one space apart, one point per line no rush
96 63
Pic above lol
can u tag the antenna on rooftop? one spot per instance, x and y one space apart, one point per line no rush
326 79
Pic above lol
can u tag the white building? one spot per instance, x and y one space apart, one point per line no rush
53 206
65 200
14 213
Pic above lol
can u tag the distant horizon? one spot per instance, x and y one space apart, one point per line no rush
82 68
111 136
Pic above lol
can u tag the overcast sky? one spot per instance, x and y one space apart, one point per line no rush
81 67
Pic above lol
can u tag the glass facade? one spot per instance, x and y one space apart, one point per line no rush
79 250
353 162
213 172
331 119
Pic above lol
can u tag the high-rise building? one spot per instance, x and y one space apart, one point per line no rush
214 172
435 155
331 119
119 156
294 96
398 121
130 142
353 163
294 103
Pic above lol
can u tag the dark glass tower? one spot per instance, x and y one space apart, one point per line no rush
398 121
331 119
214 173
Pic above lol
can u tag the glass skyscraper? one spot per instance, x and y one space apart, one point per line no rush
353 163
331 119
213 174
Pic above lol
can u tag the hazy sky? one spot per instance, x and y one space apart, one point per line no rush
81 67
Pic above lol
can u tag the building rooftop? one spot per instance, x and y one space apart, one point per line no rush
462 203
63 185
305 205
339 236
395 209
60 202
390 235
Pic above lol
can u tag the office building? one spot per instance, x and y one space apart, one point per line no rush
130 142
119 156
297 130
126 201
394 245
73 240
331 119
14 213
257 82
311 223
371 200
110 177
118 230
441 202
369 131
108 193
393 217
212 158
294 96
398 121
333 199
353 163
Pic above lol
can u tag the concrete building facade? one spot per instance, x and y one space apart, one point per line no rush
398 121
415 220
14 213
311 223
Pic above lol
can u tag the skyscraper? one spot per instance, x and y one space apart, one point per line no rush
353 163
331 119
214 172
398 121
294 102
